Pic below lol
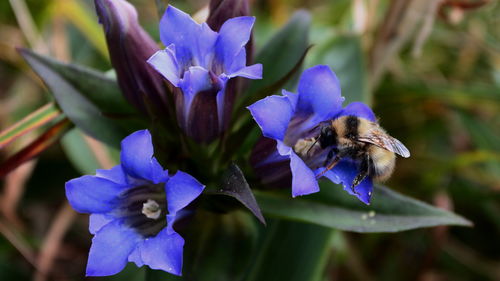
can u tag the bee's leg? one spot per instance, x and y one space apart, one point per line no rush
364 170
330 155
329 163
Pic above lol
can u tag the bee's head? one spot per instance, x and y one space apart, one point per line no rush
327 136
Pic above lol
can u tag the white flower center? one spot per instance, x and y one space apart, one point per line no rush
151 209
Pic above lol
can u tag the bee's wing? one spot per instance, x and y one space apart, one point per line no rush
381 139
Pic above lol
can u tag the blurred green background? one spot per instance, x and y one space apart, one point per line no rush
430 67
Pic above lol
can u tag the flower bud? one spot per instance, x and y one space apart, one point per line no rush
129 48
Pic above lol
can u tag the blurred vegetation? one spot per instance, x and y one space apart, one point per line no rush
432 71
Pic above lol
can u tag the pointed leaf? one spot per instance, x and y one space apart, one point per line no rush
78 91
333 207
235 185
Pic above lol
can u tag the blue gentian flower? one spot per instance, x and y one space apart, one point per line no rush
133 208
199 62
291 117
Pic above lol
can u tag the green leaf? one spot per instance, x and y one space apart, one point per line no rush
335 208
78 91
234 185
98 87
218 248
292 251
281 55
81 155
345 57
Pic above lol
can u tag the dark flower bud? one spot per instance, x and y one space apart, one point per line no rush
129 49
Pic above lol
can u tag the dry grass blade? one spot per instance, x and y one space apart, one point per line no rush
13 191
27 25
35 148
52 242
11 234
36 119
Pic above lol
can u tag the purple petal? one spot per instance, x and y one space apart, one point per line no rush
250 72
344 173
97 221
181 190
303 178
319 93
91 194
135 255
192 41
110 249
115 174
272 114
233 36
198 104
165 63
164 251
195 80
358 109
292 97
137 157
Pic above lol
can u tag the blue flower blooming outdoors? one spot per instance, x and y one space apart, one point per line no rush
199 62
291 117
133 208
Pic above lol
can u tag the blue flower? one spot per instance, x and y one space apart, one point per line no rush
290 118
199 62
133 208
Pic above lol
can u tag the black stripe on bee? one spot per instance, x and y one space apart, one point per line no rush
351 125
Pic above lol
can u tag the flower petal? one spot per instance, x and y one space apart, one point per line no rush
195 80
97 221
192 41
91 194
198 113
110 249
303 178
181 190
178 28
135 255
292 97
272 114
345 172
165 63
164 251
137 157
250 72
115 174
233 36
358 109
319 93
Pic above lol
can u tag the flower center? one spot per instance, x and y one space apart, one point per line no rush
144 208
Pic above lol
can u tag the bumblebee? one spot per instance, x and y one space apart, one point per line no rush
359 139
